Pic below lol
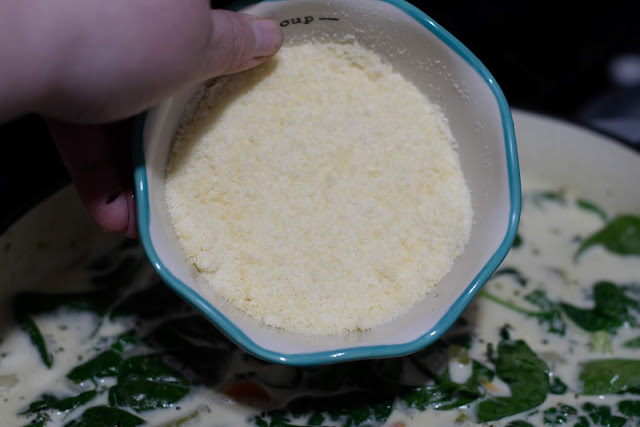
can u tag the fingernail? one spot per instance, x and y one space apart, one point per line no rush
268 35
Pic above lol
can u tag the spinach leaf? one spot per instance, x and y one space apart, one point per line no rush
550 315
45 402
517 241
527 377
568 415
630 408
146 383
352 408
125 339
601 415
194 342
608 376
612 308
277 420
557 386
446 394
519 423
40 420
116 398
73 402
480 374
557 196
442 396
148 395
28 325
437 395
582 422
632 343
104 416
48 401
559 415
369 396
363 415
592 207
27 304
382 411
621 235
315 419
611 301
103 365
588 319
463 394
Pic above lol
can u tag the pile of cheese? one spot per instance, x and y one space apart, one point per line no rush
320 192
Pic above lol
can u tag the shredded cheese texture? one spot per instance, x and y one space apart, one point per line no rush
321 192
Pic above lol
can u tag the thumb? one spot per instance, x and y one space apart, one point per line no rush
148 51
240 41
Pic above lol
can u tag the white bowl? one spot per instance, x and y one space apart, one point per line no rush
481 123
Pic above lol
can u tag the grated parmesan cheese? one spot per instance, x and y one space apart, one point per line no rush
320 192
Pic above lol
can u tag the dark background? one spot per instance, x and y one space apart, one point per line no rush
577 61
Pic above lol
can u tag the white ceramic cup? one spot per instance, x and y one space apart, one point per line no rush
480 120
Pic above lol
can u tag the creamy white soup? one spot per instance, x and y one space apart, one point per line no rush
553 339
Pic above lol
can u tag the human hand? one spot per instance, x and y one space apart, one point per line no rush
87 66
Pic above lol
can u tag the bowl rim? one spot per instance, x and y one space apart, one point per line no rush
235 334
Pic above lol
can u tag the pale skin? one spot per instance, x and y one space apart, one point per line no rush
88 66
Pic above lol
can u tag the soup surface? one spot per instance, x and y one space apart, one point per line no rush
552 339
